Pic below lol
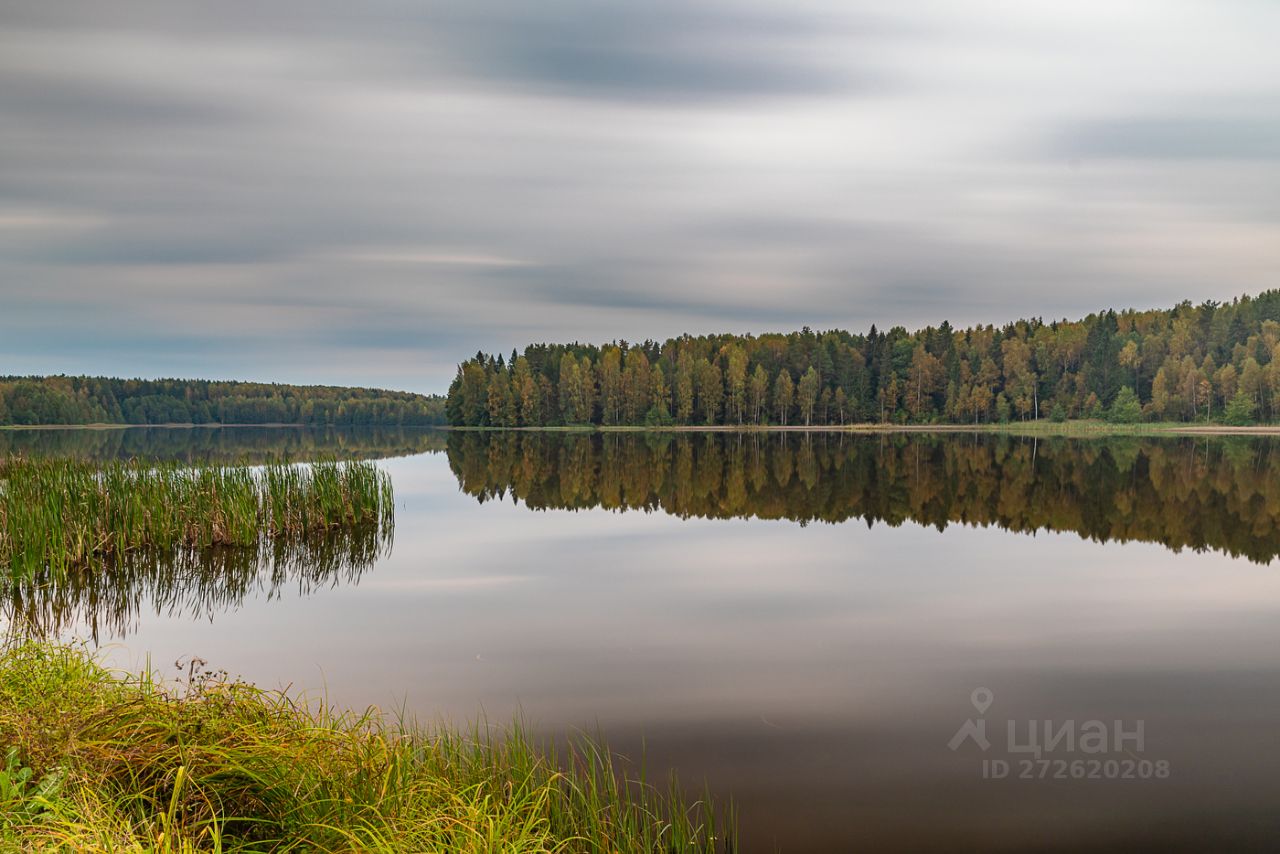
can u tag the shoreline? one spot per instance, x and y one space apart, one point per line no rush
216 425
1069 429
1075 428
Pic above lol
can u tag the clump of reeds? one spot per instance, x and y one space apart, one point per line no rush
107 762
56 514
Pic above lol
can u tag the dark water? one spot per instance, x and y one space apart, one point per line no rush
804 622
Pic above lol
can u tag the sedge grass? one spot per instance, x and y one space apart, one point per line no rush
99 761
60 514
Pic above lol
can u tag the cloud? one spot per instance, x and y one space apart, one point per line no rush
326 191
1187 137
54 103
662 51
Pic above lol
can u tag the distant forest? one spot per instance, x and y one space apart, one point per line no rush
1210 362
103 400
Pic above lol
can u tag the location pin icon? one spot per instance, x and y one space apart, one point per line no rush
981 699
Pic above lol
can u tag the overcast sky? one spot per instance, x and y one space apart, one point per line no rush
366 192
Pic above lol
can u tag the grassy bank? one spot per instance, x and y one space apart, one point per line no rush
58 514
99 762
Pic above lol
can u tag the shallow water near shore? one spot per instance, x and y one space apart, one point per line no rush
858 639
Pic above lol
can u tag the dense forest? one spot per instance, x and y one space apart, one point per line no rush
1211 362
104 400
1221 494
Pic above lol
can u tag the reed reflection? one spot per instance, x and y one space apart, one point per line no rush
108 601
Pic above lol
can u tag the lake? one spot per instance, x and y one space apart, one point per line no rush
880 641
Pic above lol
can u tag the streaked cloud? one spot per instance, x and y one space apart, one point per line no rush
323 191
1193 137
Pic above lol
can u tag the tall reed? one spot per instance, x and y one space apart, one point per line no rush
63 514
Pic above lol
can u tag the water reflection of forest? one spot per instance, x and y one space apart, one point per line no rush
190 584
223 444
1220 494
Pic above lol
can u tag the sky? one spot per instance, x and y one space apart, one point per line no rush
367 193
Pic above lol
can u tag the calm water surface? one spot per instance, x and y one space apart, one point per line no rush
802 622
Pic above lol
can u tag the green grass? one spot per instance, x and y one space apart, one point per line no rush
96 761
62 514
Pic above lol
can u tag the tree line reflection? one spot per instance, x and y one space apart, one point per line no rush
250 445
1219 494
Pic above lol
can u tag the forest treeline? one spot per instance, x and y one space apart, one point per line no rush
1212 362
1221 494
106 400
